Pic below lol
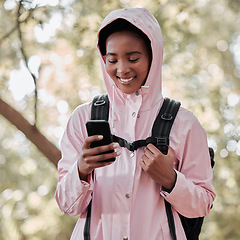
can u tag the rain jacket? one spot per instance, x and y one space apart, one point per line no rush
126 201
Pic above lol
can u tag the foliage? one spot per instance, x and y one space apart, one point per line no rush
56 41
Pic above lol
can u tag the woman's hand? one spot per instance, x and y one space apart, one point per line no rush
159 166
92 158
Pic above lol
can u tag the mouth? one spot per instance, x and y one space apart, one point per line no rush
125 81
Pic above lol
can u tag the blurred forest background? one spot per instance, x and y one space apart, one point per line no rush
49 65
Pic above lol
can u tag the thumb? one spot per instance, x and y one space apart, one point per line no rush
170 152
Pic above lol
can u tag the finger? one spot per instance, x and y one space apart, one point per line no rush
170 152
143 165
91 139
100 164
145 159
154 150
90 159
149 153
105 157
103 149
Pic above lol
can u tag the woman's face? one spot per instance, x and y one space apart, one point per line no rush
127 60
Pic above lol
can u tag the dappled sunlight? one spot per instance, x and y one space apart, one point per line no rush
21 83
47 31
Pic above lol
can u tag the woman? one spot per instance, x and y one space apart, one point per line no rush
128 194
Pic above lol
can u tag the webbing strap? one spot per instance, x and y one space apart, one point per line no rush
86 231
170 220
164 121
130 146
156 141
162 127
99 111
100 108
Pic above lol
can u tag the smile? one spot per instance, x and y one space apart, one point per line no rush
125 80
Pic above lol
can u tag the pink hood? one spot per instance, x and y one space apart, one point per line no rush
152 90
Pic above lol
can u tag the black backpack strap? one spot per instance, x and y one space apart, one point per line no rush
100 108
99 111
130 146
163 124
86 231
161 129
160 135
170 220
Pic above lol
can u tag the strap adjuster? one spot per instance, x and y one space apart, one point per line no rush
99 102
162 141
167 116
158 141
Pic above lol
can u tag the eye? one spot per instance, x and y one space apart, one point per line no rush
112 61
133 60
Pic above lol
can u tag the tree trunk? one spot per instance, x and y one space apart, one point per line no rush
31 132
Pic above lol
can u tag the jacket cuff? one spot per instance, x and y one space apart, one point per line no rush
164 191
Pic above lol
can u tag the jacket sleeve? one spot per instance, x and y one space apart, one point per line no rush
72 194
193 194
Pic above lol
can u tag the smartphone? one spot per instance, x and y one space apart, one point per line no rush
100 127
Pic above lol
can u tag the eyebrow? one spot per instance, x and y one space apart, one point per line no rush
129 53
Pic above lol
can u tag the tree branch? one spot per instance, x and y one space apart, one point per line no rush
31 132
24 55
7 35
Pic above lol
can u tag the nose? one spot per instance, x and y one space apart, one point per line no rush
123 67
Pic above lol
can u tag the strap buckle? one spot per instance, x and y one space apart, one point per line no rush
129 146
124 143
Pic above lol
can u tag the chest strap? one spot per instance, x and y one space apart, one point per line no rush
156 141
160 131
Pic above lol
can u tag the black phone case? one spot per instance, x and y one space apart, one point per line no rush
100 127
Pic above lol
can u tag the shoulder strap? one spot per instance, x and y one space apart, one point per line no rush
163 124
86 231
99 111
100 107
170 220
161 131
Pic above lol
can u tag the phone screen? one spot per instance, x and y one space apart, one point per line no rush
100 127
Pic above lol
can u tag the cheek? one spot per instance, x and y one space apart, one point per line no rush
146 67
109 70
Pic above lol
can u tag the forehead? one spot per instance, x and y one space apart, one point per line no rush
125 39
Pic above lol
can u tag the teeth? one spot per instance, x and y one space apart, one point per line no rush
126 79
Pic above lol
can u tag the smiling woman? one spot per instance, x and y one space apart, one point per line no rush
139 182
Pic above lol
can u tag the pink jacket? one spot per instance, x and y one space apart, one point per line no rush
126 201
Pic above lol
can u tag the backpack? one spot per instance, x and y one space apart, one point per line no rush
160 138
